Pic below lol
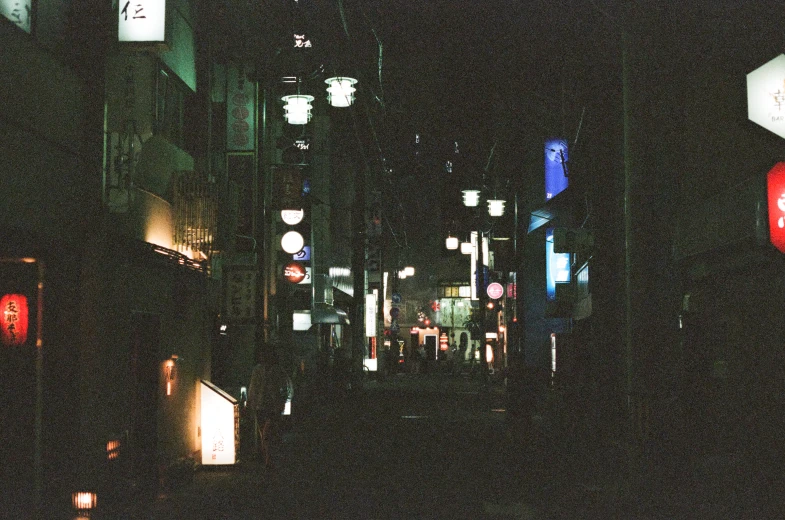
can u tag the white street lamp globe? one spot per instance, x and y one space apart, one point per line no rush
452 243
340 92
471 198
467 248
496 207
292 242
408 271
297 109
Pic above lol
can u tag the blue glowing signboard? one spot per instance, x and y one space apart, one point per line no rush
557 267
556 179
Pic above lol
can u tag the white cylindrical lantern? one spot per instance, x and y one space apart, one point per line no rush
467 248
340 92
292 242
471 198
297 109
408 271
496 207
452 243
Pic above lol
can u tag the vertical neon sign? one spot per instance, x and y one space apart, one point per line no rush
556 179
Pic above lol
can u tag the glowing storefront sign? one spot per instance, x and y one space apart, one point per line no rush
556 158
371 307
294 272
775 193
557 268
14 317
220 425
766 95
141 20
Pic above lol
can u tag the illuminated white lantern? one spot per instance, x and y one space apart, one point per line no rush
340 92
292 242
452 243
408 271
297 109
471 198
496 207
467 248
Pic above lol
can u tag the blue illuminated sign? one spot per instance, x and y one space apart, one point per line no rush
556 159
557 267
303 255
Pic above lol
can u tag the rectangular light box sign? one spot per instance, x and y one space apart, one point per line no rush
557 268
220 422
141 20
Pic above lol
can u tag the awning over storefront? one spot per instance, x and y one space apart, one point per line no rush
327 314
559 208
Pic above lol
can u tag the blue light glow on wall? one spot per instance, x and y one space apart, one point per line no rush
555 167
557 267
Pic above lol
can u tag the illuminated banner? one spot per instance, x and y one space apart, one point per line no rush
766 95
557 267
19 12
240 110
775 193
556 158
14 319
141 20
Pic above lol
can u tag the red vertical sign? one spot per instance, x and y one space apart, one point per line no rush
775 189
14 317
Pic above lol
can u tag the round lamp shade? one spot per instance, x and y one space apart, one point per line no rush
340 92
297 109
292 242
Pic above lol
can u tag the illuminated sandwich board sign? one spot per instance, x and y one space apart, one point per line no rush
775 195
141 21
766 95
220 425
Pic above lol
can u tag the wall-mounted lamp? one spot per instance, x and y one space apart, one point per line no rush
467 248
169 373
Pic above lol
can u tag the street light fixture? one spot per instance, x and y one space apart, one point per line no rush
471 198
297 110
496 207
340 92
452 243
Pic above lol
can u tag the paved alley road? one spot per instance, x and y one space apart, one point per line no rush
415 446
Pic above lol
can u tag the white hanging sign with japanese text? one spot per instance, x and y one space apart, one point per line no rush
141 20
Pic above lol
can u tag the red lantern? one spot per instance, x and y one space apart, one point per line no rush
775 181
14 318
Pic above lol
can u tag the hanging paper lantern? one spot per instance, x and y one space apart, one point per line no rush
14 318
452 243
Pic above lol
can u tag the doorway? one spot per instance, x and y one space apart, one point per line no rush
145 337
